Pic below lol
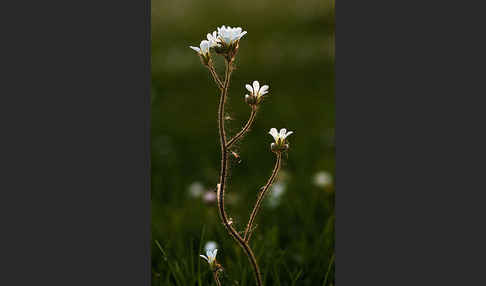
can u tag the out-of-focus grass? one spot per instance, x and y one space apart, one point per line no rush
290 46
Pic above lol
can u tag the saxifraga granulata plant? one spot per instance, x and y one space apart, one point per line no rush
225 42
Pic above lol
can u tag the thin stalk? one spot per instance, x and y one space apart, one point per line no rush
244 129
215 76
261 196
216 278
222 180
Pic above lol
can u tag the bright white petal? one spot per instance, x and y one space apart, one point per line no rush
274 133
288 134
215 251
195 48
282 132
264 88
241 35
256 86
205 258
249 87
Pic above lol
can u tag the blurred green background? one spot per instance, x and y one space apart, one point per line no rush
290 47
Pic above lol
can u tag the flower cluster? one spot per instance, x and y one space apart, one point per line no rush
256 93
280 139
225 41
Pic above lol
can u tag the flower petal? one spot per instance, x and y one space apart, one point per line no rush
205 258
249 87
274 133
264 88
288 134
241 35
282 132
195 48
256 86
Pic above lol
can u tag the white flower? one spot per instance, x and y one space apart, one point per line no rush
280 142
279 136
210 257
210 245
213 39
203 49
228 35
256 90
209 197
276 192
196 189
322 179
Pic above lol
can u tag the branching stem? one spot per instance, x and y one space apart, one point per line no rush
261 196
245 128
215 76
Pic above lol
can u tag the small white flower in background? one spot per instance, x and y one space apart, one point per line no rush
229 36
210 257
322 179
276 192
210 245
209 197
256 93
196 189
280 139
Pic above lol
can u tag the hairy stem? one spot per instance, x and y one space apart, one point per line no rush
245 128
261 196
215 76
222 179
216 278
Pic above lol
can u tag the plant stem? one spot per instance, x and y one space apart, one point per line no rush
261 196
216 278
215 76
245 128
222 180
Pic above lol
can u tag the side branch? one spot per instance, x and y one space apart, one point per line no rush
216 78
245 128
261 196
